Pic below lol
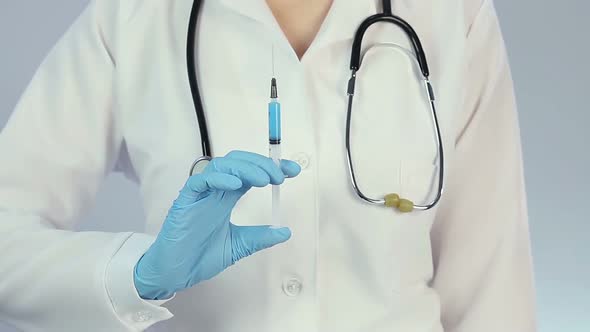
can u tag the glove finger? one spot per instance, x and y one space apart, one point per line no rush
274 172
200 183
249 173
290 168
247 240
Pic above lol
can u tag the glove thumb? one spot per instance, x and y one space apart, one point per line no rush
246 240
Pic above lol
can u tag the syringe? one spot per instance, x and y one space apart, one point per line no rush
274 140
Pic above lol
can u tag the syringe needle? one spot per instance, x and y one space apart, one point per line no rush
273 59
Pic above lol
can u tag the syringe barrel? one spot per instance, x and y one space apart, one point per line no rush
274 122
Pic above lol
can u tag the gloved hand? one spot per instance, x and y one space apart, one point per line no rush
197 240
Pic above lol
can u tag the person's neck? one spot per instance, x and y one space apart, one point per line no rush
300 20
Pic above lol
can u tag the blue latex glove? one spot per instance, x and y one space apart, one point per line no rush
197 240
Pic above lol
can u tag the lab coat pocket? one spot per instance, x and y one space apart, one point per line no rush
412 267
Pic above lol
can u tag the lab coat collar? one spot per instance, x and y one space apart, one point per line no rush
344 18
340 24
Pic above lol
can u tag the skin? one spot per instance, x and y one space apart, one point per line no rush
300 20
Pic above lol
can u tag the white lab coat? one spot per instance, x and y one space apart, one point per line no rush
114 95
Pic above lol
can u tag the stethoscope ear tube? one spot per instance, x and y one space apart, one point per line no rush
199 165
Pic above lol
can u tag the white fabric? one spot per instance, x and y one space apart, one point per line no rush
118 79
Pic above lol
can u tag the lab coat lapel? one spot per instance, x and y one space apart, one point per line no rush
257 10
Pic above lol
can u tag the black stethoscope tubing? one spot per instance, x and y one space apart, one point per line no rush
192 78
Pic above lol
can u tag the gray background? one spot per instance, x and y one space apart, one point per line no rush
549 53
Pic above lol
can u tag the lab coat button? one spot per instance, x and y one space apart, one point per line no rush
292 287
142 316
302 159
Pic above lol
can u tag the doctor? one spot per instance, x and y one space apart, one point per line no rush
113 95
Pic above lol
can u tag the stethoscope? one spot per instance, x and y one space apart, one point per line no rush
419 58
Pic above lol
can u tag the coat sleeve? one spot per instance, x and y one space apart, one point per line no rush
480 239
58 145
